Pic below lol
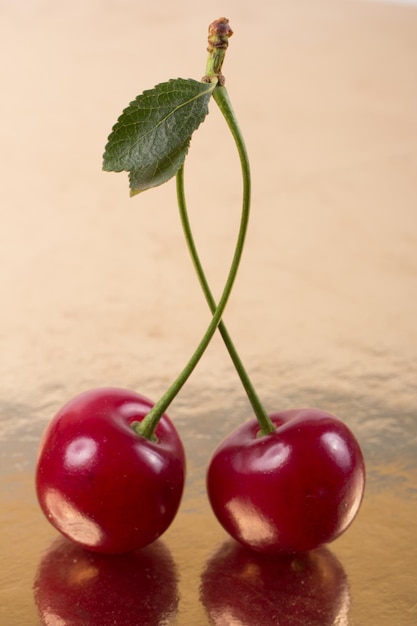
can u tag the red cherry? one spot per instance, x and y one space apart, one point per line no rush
99 482
82 588
292 490
240 586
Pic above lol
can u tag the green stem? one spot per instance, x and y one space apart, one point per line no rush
147 426
220 94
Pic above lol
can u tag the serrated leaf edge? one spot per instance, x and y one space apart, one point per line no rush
210 88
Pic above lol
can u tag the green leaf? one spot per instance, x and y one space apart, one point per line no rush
151 136
157 173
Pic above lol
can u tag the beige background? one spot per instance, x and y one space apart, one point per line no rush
97 288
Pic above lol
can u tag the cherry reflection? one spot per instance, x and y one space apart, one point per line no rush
74 587
243 588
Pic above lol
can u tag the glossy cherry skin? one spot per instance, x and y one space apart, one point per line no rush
292 490
76 587
99 482
240 586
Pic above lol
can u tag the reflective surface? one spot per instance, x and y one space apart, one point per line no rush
97 289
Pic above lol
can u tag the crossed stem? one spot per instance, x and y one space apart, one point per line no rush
222 99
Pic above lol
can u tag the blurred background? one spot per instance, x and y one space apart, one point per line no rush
97 288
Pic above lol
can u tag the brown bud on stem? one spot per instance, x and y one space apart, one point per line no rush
219 33
218 40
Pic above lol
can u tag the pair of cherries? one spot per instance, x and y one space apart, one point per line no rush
111 466
112 490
